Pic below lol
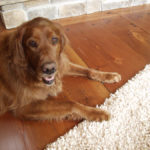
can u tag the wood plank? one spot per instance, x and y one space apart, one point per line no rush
140 19
103 45
11 133
88 92
38 134
131 34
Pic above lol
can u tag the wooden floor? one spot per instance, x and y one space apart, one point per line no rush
117 40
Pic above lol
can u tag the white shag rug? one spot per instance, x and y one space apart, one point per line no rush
128 128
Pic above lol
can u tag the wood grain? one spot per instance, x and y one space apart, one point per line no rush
111 44
140 19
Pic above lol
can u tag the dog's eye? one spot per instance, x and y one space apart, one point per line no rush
33 44
54 40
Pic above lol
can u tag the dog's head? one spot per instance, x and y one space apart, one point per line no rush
39 44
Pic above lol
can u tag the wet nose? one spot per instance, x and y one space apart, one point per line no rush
49 68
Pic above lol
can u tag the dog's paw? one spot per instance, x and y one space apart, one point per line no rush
112 77
98 115
105 77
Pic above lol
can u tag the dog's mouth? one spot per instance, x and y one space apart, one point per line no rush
48 80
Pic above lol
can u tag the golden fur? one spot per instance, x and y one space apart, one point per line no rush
25 90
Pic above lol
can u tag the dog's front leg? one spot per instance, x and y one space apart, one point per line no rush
106 77
58 110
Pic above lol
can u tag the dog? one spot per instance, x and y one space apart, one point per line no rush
32 65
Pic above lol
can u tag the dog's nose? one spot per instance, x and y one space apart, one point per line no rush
49 68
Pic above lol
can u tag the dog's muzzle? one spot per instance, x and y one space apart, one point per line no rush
48 70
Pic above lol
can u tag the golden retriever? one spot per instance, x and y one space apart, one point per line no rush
32 64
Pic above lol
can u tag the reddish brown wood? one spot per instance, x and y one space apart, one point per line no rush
111 44
11 133
140 19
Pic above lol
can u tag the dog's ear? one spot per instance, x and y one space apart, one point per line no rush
64 41
18 50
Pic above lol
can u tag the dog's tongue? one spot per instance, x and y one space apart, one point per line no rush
49 78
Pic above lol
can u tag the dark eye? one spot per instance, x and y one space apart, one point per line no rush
54 40
33 44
